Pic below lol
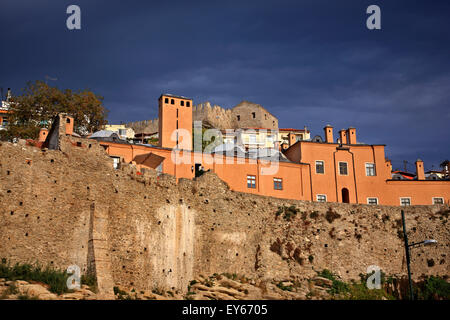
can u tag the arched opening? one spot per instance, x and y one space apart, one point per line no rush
345 195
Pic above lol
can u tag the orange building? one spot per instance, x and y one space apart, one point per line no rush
343 171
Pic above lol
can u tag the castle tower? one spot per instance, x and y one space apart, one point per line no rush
175 122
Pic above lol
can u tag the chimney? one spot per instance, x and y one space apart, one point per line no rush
420 172
328 133
351 135
69 122
343 136
43 133
8 94
292 140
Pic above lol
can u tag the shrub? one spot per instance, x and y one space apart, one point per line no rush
289 212
331 215
435 288
338 286
314 215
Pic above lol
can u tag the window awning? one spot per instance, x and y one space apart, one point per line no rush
150 160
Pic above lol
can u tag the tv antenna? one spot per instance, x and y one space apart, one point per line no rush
50 78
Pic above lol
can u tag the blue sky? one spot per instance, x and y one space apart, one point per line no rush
308 62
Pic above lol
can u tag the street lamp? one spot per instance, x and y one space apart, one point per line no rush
407 246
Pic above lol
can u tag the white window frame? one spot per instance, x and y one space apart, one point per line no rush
278 180
251 178
374 169
442 198
339 168
317 197
410 203
373 204
315 168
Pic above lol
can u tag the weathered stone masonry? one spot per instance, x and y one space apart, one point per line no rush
71 207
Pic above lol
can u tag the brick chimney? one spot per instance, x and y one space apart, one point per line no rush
69 124
292 140
420 171
43 133
343 136
351 135
328 133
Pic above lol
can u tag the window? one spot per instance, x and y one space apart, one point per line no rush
159 169
370 169
253 115
188 103
172 101
438 200
405 201
5 121
116 162
251 182
177 124
372 200
68 120
166 100
182 103
278 184
252 138
239 118
265 116
321 198
177 113
320 167
343 171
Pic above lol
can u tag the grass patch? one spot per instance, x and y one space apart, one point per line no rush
285 288
56 279
338 287
90 281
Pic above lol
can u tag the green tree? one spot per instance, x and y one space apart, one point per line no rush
39 103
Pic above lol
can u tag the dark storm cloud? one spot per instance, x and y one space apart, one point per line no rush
309 62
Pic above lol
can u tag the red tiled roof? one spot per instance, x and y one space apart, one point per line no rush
291 129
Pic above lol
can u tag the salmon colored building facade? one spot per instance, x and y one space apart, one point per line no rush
343 171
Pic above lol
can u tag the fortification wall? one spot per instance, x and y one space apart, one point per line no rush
145 126
217 117
154 233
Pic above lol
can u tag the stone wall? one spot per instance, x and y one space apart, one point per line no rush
145 231
220 118
145 126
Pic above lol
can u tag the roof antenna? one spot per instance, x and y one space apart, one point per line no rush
49 78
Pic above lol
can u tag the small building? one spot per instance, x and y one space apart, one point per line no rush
5 110
106 135
122 131
146 138
288 136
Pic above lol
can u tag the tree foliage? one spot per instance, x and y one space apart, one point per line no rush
40 103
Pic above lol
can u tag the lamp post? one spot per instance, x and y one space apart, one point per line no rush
407 246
